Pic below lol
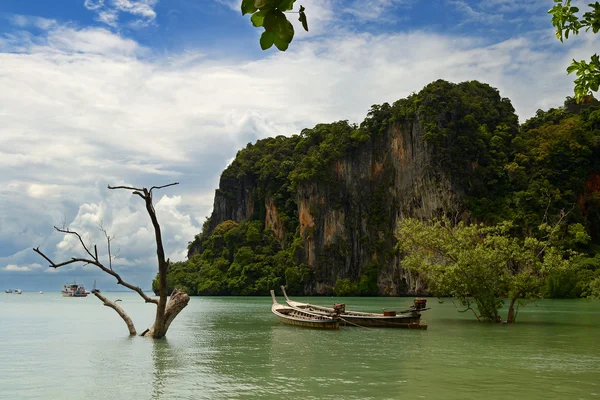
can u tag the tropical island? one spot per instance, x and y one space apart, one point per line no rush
320 211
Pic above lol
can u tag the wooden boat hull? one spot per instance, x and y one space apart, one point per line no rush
291 316
364 319
383 322
310 324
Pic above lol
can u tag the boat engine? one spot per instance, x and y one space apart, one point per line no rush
420 304
339 308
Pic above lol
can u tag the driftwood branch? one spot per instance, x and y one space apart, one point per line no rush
119 311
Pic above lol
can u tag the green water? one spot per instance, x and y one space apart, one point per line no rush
234 348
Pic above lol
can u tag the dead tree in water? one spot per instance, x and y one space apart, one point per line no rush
165 312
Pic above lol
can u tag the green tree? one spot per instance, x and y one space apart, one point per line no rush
271 15
566 21
481 264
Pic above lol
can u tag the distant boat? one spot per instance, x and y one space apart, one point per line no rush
73 290
41 292
293 316
18 291
8 291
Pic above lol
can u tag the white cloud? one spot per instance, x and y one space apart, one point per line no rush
27 21
371 10
123 216
477 16
91 41
511 6
107 11
21 268
83 108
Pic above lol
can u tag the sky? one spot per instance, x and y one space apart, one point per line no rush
149 92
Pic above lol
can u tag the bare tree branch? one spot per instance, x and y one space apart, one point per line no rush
119 311
120 280
37 250
125 187
70 232
165 312
547 207
563 215
163 186
108 240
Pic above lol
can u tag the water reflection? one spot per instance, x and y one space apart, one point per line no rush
164 364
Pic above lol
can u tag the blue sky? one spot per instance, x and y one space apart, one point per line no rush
146 92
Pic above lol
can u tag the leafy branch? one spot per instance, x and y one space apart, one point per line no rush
566 21
270 14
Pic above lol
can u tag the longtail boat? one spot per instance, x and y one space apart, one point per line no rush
410 318
293 316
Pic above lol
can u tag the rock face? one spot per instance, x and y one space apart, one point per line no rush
349 222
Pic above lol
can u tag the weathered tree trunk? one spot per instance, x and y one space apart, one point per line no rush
165 312
119 311
511 309
179 300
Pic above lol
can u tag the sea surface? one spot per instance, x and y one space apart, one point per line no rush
234 348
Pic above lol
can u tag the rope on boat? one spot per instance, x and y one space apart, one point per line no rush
352 323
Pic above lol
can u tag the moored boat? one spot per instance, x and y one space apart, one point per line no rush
73 290
18 291
293 316
8 291
410 318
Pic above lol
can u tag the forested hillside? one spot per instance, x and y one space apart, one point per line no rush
319 211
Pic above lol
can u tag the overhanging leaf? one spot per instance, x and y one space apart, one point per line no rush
258 18
302 19
280 44
248 7
266 40
271 20
284 29
286 5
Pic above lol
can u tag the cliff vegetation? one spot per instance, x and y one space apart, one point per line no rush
320 211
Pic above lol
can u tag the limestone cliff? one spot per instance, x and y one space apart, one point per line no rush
349 222
319 211
340 190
